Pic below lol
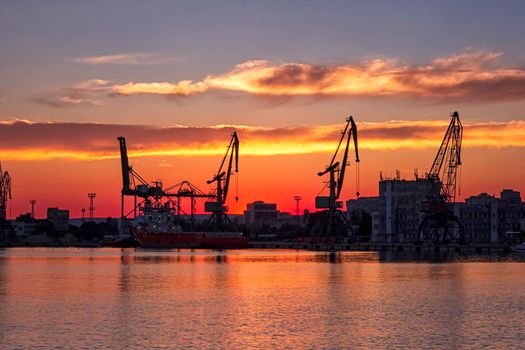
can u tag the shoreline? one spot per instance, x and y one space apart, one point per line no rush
477 248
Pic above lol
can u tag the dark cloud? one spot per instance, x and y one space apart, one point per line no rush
290 75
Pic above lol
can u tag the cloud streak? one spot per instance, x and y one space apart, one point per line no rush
140 58
87 93
22 140
469 76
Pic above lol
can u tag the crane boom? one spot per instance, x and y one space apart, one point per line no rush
448 159
126 170
233 153
233 147
351 134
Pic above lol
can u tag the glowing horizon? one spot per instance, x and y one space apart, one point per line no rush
287 153
256 141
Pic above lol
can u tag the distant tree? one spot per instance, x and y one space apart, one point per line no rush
25 218
89 231
46 227
112 225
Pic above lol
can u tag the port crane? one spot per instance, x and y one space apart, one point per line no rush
5 192
336 171
153 193
218 210
439 222
135 185
5 196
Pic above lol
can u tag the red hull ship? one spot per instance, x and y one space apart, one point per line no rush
209 240
157 227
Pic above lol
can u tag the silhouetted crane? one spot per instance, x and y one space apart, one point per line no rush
5 195
5 192
218 210
153 192
336 171
440 223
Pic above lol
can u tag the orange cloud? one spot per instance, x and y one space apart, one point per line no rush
471 75
27 141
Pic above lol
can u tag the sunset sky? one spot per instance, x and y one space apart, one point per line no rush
177 78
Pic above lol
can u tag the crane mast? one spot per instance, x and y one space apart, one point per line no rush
331 219
440 223
222 178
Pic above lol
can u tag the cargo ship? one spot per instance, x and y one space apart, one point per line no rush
157 227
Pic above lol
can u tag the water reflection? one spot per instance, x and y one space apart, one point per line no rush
443 256
126 298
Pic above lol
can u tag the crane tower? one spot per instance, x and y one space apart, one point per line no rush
440 224
222 177
332 217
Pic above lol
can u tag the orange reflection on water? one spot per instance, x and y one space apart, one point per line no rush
251 299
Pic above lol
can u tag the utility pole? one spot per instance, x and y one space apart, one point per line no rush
32 202
91 205
297 208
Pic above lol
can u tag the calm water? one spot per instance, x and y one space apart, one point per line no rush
133 299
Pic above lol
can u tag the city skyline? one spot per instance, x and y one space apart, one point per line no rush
177 79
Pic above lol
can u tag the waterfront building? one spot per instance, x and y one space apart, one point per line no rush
369 212
397 212
488 219
395 215
404 200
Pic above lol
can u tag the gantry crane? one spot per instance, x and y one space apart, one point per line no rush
135 185
336 170
439 222
222 177
152 193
